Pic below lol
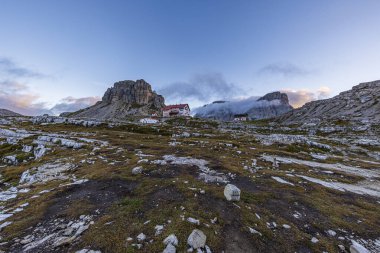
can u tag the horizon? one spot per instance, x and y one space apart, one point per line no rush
64 55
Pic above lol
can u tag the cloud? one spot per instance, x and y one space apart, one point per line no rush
298 98
71 104
201 88
235 106
16 97
285 69
9 68
324 92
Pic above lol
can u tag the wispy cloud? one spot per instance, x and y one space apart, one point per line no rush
15 93
71 104
298 98
285 69
201 88
17 97
9 68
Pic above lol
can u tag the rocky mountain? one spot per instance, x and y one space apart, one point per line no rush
361 103
123 99
273 105
268 106
8 113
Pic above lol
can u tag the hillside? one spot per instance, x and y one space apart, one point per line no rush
8 113
361 103
82 187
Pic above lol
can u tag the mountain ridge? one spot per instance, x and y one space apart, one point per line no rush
361 103
8 113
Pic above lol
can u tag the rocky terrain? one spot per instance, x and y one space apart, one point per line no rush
8 113
361 103
125 98
188 185
269 106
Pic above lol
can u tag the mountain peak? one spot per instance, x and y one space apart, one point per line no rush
125 98
283 97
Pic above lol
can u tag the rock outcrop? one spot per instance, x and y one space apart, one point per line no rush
361 103
272 105
269 106
123 99
8 113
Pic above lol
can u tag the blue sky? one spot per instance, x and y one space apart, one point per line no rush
67 53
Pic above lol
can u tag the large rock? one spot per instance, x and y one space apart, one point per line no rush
231 192
361 103
123 99
271 105
357 248
197 239
171 242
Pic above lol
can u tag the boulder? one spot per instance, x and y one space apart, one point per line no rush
231 192
171 239
357 248
197 239
137 170
141 237
170 248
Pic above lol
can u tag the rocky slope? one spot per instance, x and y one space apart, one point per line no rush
361 103
8 113
123 99
268 106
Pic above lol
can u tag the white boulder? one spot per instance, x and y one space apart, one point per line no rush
170 248
137 170
357 248
231 192
141 237
197 239
171 239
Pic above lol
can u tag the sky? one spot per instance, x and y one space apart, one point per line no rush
62 55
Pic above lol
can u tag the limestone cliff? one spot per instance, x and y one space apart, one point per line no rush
125 98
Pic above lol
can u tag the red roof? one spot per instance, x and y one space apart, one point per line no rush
180 106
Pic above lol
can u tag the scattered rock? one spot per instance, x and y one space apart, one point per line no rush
194 221
170 248
171 239
357 248
137 170
141 237
197 239
231 192
331 232
314 240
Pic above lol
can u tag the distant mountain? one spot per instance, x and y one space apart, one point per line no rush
8 113
361 103
123 99
269 106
